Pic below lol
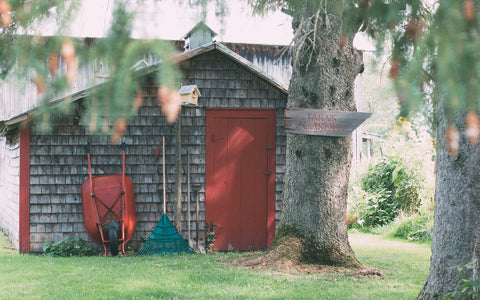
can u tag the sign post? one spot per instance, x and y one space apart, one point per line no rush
323 122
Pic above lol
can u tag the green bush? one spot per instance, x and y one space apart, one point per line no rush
68 247
390 188
417 227
210 236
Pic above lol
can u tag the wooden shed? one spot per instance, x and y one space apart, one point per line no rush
232 141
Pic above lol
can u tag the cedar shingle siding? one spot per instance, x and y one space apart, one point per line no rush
59 161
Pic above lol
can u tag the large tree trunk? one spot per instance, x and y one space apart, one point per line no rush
456 233
318 168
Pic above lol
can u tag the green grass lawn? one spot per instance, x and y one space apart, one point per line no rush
404 264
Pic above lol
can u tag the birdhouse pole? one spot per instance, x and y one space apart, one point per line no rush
178 167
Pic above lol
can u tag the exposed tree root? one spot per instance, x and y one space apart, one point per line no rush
292 244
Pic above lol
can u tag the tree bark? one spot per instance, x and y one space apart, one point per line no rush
456 233
318 168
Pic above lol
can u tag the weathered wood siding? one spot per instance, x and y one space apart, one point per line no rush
9 189
274 60
18 97
59 161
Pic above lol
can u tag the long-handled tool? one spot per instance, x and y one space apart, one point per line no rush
164 239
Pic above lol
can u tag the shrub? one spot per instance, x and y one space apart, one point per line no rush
210 236
380 210
417 227
68 247
390 188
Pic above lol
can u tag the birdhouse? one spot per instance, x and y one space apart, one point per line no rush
189 94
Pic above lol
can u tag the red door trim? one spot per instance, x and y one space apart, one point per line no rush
24 191
255 112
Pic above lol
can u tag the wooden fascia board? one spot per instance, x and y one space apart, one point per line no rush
16 120
195 52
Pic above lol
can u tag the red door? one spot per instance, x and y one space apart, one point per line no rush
240 174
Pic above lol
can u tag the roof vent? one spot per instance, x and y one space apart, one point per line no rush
199 35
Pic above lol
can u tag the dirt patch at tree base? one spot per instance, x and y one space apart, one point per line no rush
268 261
292 254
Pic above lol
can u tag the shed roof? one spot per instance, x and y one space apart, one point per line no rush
7 126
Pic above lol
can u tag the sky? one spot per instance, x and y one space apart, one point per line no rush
167 19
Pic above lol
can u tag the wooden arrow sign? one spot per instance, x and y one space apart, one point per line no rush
323 122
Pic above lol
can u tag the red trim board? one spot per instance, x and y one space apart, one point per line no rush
24 191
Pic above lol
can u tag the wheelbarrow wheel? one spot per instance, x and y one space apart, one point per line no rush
112 235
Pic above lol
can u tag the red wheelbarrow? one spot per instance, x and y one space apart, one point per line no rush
109 208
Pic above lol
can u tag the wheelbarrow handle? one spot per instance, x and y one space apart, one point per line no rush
87 147
123 145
